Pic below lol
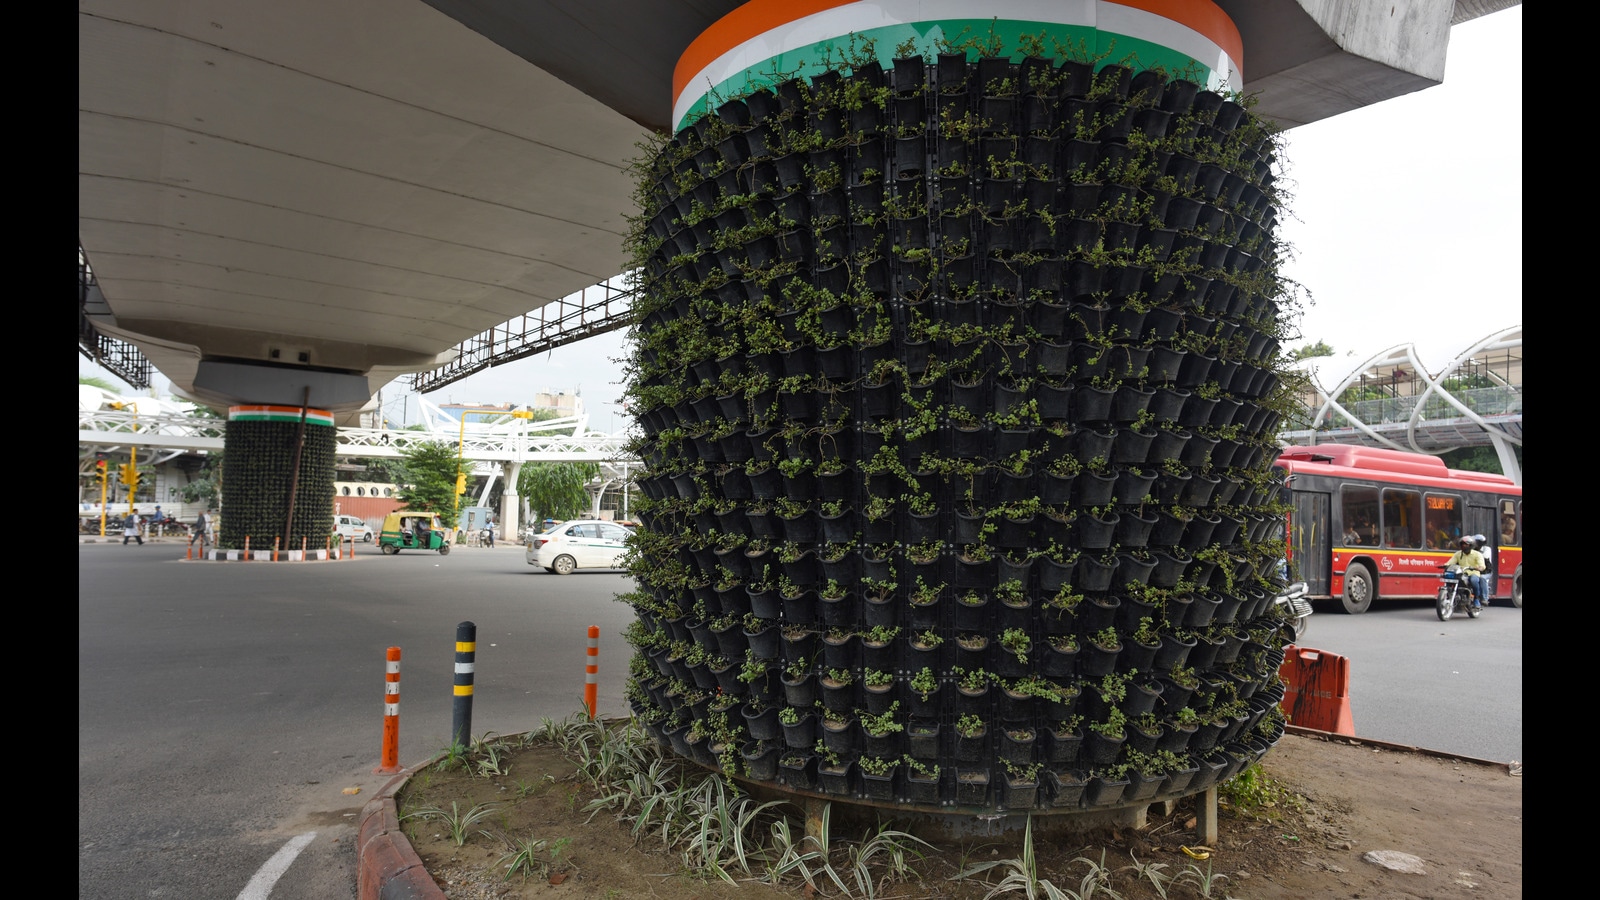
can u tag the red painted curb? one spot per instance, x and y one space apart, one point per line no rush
388 867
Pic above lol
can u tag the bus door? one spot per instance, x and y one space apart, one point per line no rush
1485 520
1310 535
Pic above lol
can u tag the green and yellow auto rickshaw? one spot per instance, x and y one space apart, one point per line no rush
406 530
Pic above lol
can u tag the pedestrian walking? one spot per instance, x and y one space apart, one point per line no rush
202 530
130 528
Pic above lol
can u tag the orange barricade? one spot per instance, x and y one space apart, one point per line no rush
1317 690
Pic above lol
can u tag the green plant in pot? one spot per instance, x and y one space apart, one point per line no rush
883 724
1016 641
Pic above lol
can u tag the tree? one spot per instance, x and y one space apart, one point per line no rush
204 476
1477 459
1320 348
430 479
556 490
378 471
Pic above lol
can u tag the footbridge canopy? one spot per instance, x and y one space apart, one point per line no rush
1391 400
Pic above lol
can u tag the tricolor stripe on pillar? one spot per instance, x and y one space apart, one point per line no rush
279 414
765 41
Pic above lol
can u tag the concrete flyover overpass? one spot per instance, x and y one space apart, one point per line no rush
296 203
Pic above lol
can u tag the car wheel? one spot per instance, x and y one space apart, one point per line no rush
564 565
1358 589
366 538
1516 590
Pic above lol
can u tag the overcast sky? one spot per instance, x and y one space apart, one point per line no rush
1405 218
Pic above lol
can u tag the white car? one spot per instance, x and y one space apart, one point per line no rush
352 527
578 544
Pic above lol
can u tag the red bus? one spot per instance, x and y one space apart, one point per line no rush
1370 524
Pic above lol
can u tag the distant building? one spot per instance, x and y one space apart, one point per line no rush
561 403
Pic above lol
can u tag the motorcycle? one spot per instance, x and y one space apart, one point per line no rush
1297 609
1455 595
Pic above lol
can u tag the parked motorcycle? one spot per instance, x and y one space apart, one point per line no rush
1297 609
1455 595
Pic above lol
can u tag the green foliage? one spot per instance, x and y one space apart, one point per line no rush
1252 792
262 456
430 485
1320 348
204 485
556 490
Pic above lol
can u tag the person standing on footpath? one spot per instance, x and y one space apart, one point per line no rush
130 528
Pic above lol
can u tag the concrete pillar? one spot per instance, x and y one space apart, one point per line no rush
264 444
510 502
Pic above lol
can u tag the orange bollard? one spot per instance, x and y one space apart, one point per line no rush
275 540
591 672
391 714
1317 690
246 556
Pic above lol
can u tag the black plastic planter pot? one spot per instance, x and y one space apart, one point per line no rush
836 780
1094 533
800 692
839 735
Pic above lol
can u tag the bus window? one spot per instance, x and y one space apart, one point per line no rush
1359 512
1402 518
1443 521
1508 522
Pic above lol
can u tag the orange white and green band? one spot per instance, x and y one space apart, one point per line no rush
278 414
765 41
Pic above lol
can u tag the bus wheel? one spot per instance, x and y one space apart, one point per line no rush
1358 589
1516 590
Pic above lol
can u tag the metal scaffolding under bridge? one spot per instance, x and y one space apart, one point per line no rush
594 310
117 357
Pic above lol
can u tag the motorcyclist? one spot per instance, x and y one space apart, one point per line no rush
1470 563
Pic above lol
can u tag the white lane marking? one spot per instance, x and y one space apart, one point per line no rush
260 886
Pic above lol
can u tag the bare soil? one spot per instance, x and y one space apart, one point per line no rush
1333 801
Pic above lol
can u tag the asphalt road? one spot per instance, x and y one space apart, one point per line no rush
224 708
1454 686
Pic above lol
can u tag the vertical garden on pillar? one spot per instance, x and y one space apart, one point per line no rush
958 378
261 448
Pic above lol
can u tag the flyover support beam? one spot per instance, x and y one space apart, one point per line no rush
511 502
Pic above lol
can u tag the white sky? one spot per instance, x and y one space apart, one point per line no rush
1405 217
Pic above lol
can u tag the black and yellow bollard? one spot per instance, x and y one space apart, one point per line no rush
466 662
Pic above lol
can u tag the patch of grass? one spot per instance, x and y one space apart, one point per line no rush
1253 793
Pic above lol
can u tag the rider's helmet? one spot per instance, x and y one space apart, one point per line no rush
1466 543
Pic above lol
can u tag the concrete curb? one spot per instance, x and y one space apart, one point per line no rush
388 867
1510 768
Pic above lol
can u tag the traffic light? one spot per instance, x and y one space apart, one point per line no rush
130 475
461 483
100 470
522 414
